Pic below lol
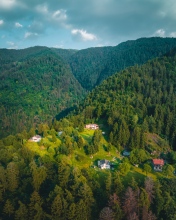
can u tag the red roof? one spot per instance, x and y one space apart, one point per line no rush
158 161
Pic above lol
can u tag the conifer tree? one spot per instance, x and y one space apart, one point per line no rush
56 208
34 199
8 209
21 212
12 176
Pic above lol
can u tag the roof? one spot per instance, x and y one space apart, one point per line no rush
158 161
37 136
104 162
92 125
126 153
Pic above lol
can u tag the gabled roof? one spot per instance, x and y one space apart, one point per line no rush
158 161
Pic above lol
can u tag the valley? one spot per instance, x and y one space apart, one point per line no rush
89 134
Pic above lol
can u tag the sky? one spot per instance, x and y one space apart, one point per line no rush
79 24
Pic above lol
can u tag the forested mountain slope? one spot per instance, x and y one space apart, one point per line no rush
137 100
59 177
91 66
65 54
11 55
35 84
38 83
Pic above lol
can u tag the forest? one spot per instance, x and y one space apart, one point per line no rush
39 83
58 175
35 89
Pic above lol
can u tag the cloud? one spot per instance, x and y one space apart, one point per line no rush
42 8
12 45
83 35
30 35
7 4
18 25
86 23
60 15
36 27
58 46
160 33
173 34
1 22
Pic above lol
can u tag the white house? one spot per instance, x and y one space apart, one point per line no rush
36 138
104 164
92 126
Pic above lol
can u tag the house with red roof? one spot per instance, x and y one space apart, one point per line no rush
158 164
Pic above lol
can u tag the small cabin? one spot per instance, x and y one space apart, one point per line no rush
36 138
158 164
92 126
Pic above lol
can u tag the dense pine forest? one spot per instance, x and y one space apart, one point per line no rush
93 65
139 99
40 83
51 169
34 88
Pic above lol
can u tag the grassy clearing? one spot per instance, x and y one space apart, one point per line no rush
87 134
81 160
36 148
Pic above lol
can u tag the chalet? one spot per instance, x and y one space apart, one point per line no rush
158 164
92 126
36 138
104 164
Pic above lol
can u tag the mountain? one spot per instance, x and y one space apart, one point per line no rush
91 66
35 84
39 83
124 170
134 101
65 54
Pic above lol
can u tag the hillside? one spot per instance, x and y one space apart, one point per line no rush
40 83
60 177
35 84
136 100
91 66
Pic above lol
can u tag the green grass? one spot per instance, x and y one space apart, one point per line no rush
87 134
81 160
